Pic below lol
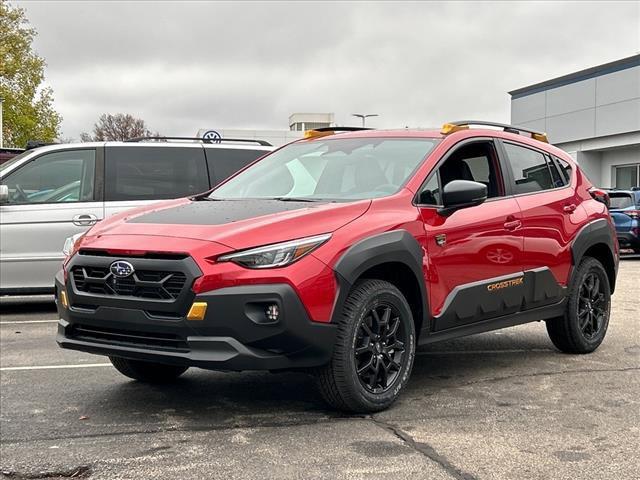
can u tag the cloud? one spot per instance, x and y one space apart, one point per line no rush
183 66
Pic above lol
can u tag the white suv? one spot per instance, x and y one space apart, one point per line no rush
51 193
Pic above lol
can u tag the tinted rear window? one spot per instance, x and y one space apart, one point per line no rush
621 200
154 173
530 169
225 162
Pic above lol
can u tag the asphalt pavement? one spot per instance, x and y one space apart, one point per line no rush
501 405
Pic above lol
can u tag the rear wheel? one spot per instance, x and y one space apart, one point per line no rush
374 350
584 324
148 372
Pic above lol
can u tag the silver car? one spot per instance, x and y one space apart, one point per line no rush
51 193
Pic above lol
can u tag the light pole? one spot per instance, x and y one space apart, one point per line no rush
364 116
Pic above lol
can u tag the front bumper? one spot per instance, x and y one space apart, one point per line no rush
234 335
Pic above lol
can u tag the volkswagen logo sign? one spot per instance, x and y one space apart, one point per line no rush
121 269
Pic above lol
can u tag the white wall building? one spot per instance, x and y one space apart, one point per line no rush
594 115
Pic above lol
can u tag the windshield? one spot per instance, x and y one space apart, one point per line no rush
620 200
335 169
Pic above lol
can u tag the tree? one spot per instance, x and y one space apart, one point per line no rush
120 126
28 112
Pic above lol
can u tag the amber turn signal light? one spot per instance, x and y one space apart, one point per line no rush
63 299
197 311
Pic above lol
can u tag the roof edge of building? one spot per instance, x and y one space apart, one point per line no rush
581 75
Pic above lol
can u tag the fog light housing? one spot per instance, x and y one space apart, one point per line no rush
197 311
272 312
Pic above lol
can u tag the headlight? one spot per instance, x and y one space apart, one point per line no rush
70 244
277 254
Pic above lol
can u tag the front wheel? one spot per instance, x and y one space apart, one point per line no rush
374 350
584 324
148 372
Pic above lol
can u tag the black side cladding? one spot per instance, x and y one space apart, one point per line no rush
594 233
499 296
397 246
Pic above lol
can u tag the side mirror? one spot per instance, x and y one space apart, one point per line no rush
4 193
459 194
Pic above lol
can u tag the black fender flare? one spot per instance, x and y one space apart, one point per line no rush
397 246
593 233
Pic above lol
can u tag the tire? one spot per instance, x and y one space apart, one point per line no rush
385 361
148 372
584 324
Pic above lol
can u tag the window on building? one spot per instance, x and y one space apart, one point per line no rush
627 176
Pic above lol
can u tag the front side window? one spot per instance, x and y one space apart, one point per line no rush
154 173
530 169
56 177
477 162
332 169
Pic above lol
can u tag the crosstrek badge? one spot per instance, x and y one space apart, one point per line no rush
505 284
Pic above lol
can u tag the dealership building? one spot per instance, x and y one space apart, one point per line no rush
594 115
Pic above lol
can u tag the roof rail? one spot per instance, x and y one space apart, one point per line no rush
263 143
326 131
451 127
340 129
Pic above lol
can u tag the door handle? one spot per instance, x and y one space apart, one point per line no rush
569 208
512 225
85 220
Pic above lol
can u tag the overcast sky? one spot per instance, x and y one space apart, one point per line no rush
185 66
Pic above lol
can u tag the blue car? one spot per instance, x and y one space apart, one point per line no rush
625 212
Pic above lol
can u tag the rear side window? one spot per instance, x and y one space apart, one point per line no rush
224 162
154 173
565 168
530 169
621 200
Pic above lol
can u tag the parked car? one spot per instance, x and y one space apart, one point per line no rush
338 254
50 193
7 154
625 211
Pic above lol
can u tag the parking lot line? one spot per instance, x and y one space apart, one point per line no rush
19 322
53 367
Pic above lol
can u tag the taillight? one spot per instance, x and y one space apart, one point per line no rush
600 195
635 214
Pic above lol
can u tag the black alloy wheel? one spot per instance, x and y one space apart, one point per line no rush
584 324
592 307
379 348
374 349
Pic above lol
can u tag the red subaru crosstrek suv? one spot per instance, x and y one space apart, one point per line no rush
339 253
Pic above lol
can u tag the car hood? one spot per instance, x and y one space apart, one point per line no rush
237 224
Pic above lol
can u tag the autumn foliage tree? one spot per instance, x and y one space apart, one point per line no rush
116 127
28 112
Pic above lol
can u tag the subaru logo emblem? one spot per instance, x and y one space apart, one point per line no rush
121 269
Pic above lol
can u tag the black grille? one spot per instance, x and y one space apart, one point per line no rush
113 336
150 284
